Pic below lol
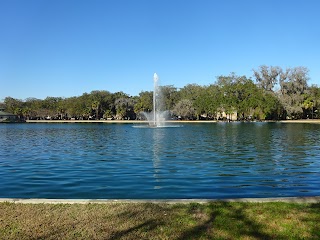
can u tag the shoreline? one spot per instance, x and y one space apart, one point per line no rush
169 121
116 121
313 199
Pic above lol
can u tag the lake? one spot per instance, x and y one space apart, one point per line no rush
193 161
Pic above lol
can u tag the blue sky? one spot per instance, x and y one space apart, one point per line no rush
63 48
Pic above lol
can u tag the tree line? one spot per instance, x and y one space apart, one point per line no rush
272 93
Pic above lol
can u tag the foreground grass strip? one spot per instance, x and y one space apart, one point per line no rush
216 220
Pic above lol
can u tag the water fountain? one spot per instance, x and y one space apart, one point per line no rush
157 117
155 93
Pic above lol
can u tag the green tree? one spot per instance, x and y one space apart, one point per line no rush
208 102
169 96
115 97
228 86
293 88
144 102
34 105
95 105
26 111
314 95
11 104
184 109
308 106
190 91
105 100
125 108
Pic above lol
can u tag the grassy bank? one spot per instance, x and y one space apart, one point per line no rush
216 220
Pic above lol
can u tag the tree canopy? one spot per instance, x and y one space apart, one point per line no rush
273 93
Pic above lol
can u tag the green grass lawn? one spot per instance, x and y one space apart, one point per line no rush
216 220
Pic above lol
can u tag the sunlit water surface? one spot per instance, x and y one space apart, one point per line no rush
118 161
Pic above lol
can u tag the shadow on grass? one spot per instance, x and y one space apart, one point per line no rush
216 220
220 220
146 226
225 218
141 221
314 209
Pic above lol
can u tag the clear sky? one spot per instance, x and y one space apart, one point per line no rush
64 48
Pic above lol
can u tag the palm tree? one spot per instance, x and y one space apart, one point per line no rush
95 106
26 112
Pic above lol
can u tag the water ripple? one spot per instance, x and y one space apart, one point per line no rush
219 160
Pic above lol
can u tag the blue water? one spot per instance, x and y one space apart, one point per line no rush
118 161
